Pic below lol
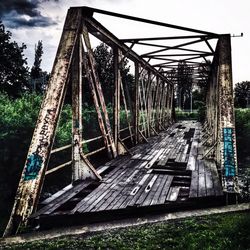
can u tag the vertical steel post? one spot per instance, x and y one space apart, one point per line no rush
120 147
81 167
227 117
76 80
117 94
136 103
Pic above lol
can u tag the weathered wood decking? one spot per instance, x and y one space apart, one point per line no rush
167 171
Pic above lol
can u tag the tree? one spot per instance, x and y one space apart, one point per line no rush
184 84
38 77
105 67
13 66
242 94
36 68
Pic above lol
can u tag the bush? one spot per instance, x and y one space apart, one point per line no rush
17 122
242 118
182 115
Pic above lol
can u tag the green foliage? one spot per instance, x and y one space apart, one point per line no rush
18 119
226 231
64 130
13 65
242 94
18 115
243 131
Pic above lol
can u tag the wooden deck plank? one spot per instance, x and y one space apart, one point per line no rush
165 190
146 190
192 156
155 190
158 192
112 195
216 181
137 191
193 192
173 194
202 180
209 184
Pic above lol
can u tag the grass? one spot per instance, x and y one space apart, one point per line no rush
225 231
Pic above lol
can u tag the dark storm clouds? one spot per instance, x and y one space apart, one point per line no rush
12 11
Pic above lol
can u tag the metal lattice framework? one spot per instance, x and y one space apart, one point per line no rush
149 110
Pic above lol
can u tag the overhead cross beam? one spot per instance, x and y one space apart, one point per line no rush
168 38
170 47
91 11
173 47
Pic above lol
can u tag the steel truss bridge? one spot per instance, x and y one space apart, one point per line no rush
156 162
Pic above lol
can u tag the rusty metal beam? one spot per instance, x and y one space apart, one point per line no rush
120 148
117 94
136 103
96 102
137 40
32 177
209 46
170 47
91 11
227 117
170 55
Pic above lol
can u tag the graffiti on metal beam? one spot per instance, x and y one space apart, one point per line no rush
229 160
35 160
44 135
33 166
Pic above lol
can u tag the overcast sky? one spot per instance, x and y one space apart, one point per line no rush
30 21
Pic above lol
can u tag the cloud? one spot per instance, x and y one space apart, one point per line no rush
24 13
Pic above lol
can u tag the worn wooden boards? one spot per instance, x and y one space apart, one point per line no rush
167 170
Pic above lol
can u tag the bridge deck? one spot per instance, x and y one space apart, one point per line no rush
167 172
